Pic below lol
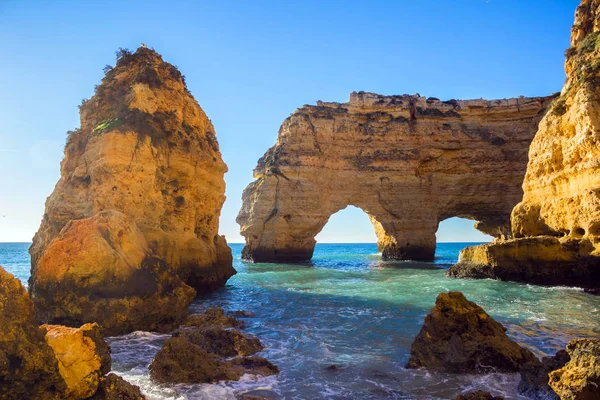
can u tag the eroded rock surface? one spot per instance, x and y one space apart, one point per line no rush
101 269
458 336
559 215
477 395
113 387
579 379
83 357
28 368
407 161
223 342
213 317
535 376
145 148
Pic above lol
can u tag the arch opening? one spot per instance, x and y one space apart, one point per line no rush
460 230
348 225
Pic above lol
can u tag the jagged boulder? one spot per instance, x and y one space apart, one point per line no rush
113 387
534 377
223 342
28 368
83 357
100 269
458 336
213 317
579 379
477 395
181 361
145 149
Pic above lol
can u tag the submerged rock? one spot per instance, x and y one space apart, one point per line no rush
556 225
83 357
223 342
534 377
147 150
213 317
579 379
458 336
478 395
181 361
101 269
28 368
113 387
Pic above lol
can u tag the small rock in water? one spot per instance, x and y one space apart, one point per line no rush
534 376
259 394
223 342
478 395
458 336
333 367
113 387
243 314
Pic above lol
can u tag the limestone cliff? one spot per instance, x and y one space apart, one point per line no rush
559 215
146 149
409 162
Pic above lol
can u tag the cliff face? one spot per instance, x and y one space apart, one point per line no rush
146 148
559 215
407 161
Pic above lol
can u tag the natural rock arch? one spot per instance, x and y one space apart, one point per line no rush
458 158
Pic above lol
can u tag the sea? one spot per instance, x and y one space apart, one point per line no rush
351 309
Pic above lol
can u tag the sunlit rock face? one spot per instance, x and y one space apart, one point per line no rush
409 162
559 215
146 149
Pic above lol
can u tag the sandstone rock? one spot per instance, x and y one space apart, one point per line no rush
100 269
113 387
146 149
213 317
181 361
478 395
83 357
407 161
534 377
458 336
562 185
28 368
579 379
223 342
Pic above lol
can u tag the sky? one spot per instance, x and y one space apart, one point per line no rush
250 64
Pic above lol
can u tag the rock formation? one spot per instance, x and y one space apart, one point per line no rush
579 379
477 395
83 357
557 224
100 269
534 377
407 161
28 368
113 387
146 149
458 336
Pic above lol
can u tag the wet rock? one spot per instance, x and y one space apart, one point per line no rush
458 336
213 317
595 291
83 357
223 342
101 269
28 368
113 387
478 395
243 314
259 394
180 361
579 379
534 377
333 367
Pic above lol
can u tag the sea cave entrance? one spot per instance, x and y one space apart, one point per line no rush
348 225
460 230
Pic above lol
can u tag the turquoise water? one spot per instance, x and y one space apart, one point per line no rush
350 308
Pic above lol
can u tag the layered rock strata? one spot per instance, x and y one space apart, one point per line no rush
409 162
145 148
458 336
557 223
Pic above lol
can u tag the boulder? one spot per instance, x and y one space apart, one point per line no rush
100 269
181 361
223 342
28 368
113 387
213 317
458 336
534 377
579 379
83 357
477 395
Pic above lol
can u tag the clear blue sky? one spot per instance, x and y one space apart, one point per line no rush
250 64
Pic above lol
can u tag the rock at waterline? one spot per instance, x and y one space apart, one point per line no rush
213 317
534 377
458 336
223 342
478 395
579 379
113 387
